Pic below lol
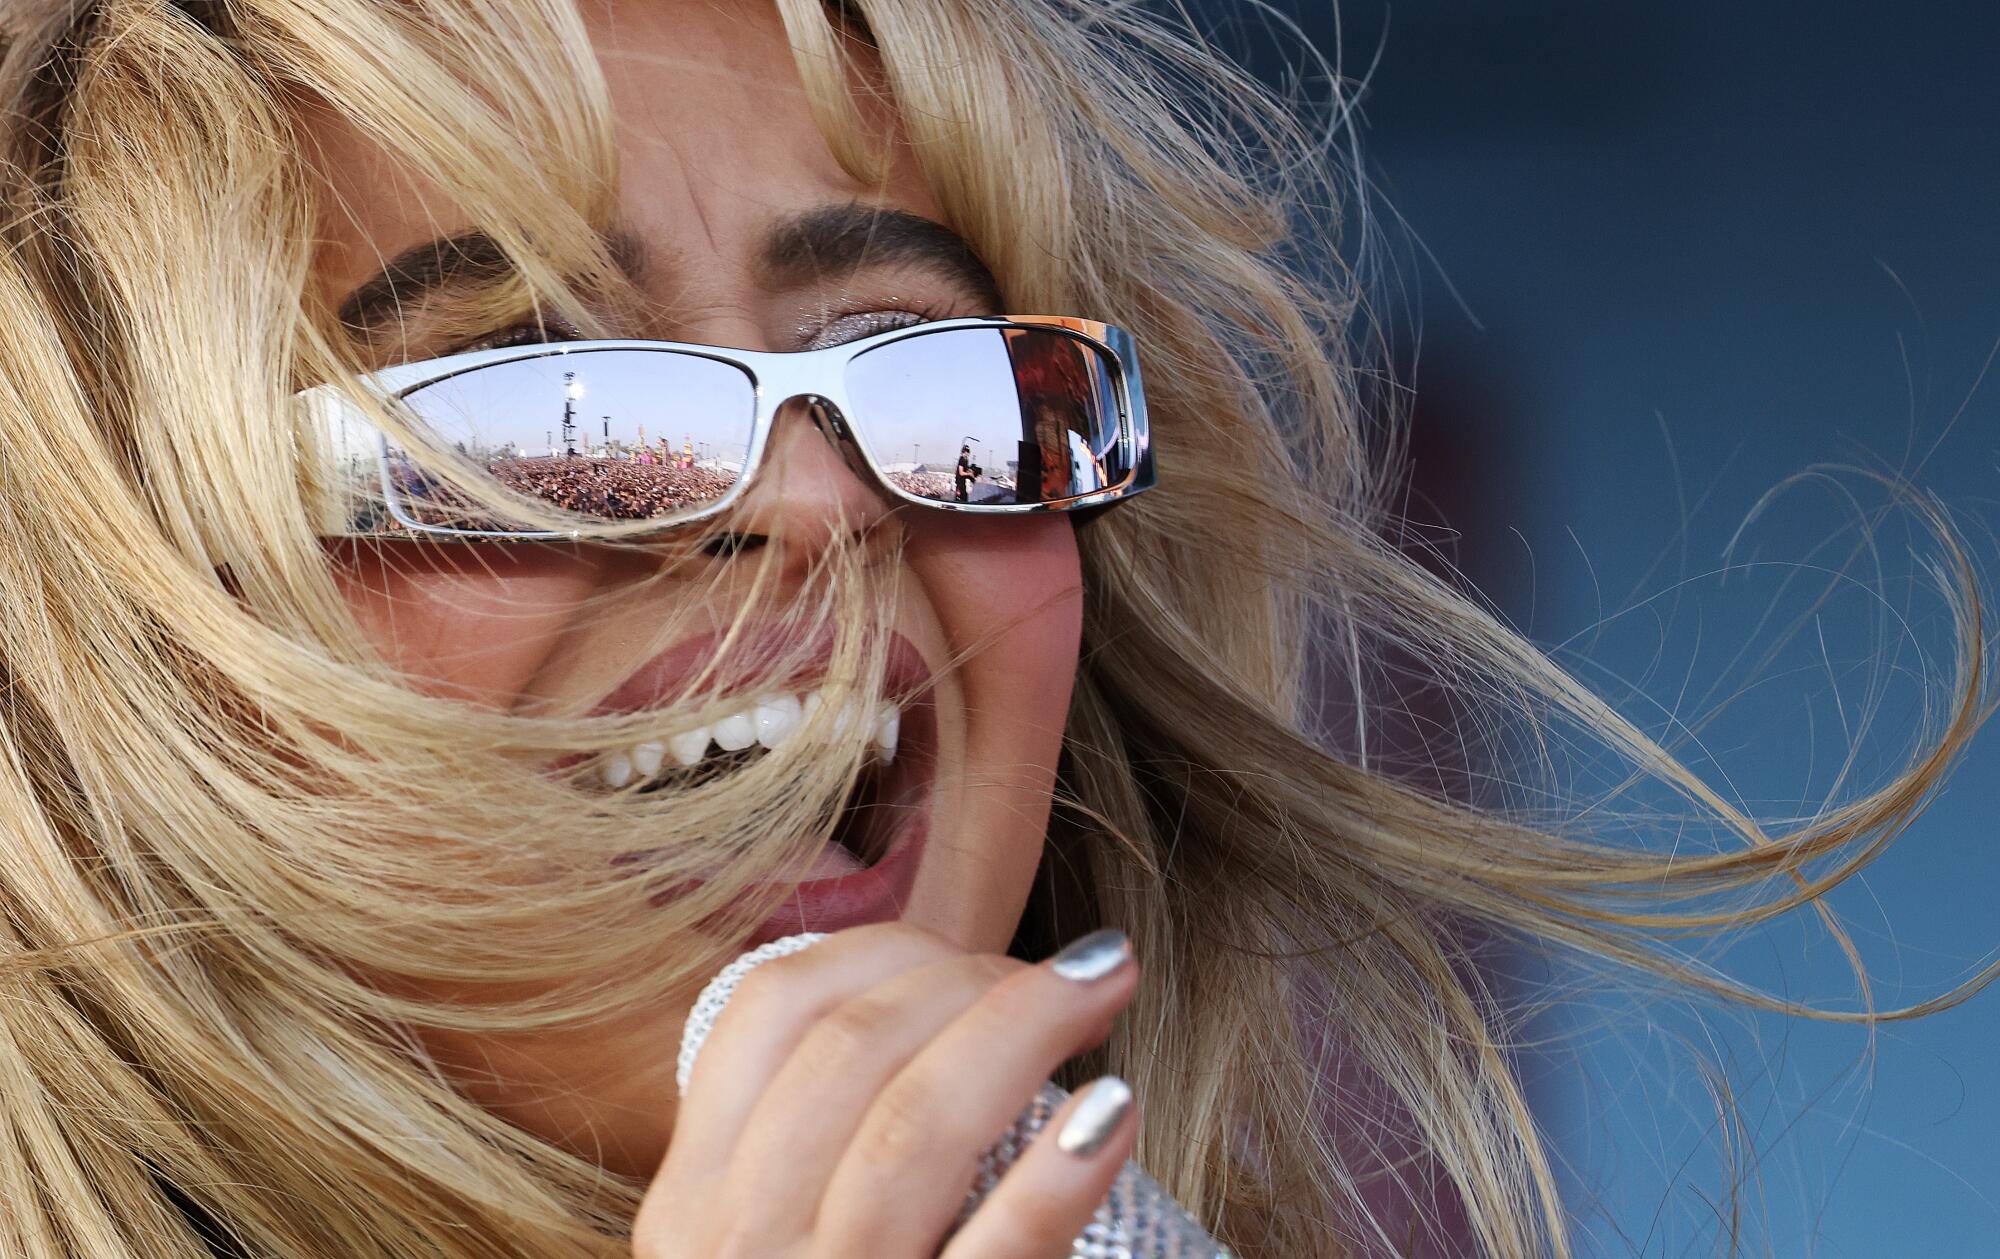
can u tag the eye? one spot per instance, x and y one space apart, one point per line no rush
550 328
866 324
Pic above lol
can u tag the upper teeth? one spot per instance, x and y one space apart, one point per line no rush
767 720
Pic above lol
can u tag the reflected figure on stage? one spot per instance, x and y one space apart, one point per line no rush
964 474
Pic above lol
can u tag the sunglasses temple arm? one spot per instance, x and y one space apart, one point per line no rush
341 463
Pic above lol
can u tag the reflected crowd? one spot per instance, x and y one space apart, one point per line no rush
609 489
923 484
617 489
614 489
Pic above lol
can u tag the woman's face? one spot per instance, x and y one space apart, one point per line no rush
718 150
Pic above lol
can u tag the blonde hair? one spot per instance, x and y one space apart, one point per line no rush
221 806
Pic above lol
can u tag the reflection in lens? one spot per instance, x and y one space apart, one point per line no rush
605 435
989 415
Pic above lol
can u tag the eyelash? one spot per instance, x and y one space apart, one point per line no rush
549 329
870 322
553 328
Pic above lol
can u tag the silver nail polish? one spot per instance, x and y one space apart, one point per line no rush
1094 956
1097 1114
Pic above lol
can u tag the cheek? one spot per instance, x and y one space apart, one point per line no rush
472 626
1014 589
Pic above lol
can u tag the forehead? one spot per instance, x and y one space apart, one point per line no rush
715 139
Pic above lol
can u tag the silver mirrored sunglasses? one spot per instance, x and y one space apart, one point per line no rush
994 414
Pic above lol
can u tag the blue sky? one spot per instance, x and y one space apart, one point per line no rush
1667 258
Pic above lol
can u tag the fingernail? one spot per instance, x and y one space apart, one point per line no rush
1094 956
1097 1115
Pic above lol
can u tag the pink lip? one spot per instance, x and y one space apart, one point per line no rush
904 670
905 676
876 894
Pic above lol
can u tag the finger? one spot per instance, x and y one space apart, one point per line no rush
1051 1193
905 1176
808 1116
766 1017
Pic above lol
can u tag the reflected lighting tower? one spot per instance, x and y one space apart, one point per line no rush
572 390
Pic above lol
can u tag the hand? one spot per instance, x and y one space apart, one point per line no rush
840 1104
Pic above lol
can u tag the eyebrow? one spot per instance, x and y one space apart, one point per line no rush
802 249
797 251
465 260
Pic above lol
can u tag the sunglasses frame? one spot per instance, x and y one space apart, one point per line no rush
776 377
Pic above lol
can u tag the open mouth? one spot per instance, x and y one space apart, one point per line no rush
888 793
893 774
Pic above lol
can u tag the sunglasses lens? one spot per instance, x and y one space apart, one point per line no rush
590 435
993 416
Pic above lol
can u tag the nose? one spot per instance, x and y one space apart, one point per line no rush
809 489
